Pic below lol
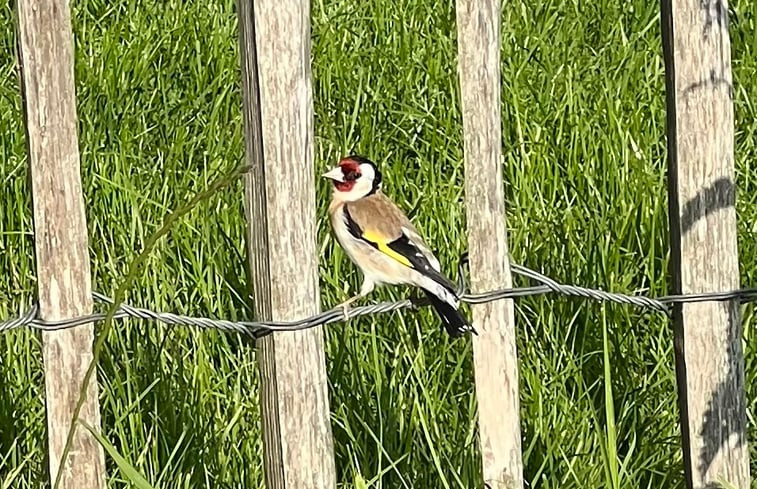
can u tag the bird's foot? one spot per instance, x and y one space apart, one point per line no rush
417 301
345 306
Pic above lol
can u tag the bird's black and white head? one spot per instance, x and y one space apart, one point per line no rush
354 178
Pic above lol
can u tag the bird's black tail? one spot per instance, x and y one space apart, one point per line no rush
453 320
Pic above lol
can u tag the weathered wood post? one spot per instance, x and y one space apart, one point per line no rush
60 233
709 357
280 208
494 351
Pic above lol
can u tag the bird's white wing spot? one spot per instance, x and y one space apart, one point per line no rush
423 251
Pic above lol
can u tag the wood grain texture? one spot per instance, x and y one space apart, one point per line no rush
709 357
63 271
280 207
494 350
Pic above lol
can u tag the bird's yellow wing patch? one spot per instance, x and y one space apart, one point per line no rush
383 246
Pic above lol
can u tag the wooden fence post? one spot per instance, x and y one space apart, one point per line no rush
280 208
709 357
494 351
60 233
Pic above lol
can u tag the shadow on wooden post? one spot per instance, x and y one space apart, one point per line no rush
494 351
60 235
278 113
709 357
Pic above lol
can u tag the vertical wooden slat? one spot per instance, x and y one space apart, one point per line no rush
280 208
494 350
709 357
63 271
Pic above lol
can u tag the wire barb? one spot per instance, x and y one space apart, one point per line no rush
258 329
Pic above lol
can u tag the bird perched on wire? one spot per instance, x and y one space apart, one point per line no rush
379 238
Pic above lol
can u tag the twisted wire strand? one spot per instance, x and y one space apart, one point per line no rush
258 329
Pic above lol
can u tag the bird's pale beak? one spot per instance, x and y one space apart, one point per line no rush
334 174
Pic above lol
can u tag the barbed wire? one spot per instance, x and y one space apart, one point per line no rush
258 329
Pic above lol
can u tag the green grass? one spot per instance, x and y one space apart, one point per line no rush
583 134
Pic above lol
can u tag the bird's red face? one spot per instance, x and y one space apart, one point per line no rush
350 175
354 178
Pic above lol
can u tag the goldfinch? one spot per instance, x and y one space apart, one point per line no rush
379 238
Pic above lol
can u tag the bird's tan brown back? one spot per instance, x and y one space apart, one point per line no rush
376 214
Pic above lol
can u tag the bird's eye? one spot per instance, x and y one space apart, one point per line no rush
351 176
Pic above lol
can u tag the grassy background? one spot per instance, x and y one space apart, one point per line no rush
160 117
